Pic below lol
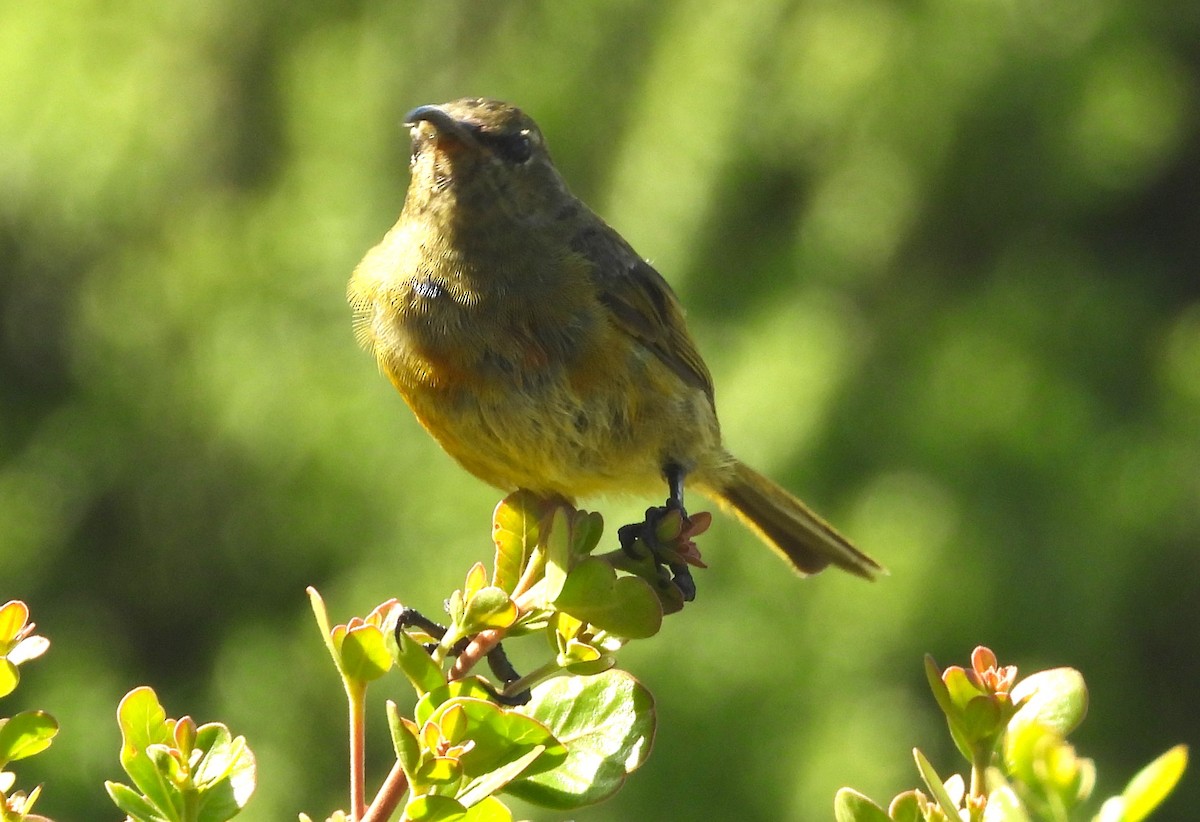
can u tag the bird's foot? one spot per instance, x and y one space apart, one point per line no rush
665 537
496 657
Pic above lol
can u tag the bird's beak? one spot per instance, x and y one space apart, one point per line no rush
443 124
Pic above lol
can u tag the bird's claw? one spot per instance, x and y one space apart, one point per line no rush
673 569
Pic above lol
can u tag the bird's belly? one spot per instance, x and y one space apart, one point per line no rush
601 424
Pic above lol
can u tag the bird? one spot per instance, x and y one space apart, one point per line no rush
540 350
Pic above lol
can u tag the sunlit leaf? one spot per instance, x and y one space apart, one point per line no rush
556 541
1153 783
31 647
494 780
226 774
404 740
133 803
489 809
364 654
14 614
1056 699
26 734
607 724
624 606
433 808
10 675
907 807
515 533
418 666
500 736
1004 806
587 527
851 806
143 724
428 704
490 607
935 786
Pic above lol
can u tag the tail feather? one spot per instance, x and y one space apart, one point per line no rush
787 525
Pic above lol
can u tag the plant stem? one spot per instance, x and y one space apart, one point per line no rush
478 648
978 789
532 678
356 698
389 796
977 769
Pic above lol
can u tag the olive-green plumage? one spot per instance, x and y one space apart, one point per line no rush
538 348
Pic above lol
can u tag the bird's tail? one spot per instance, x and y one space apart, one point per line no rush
787 525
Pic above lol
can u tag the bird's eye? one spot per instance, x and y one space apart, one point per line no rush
514 147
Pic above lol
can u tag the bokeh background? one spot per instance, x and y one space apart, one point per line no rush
943 258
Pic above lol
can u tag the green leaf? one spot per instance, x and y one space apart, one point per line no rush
500 736
436 697
226 774
1004 806
1056 699
322 617
26 734
364 654
10 675
433 808
215 744
1022 743
941 693
14 615
142 720
515 527
143 723
851 806
626 606
981 719
1113 810
1153 783
442 772
607 723
581 659
404 740
494 781
490 607
587 527
418 666
133 803
556 541
934 783
907 807
490 809
960 687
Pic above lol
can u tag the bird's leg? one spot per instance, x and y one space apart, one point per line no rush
411 617
506 673
497 659
646 530
674 474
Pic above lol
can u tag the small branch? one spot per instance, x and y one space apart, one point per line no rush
477 649
355 698
388 799
532 678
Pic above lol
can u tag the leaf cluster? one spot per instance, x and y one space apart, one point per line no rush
28 732
565 735
1013 737
181 772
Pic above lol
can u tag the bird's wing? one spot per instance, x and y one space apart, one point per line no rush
644 307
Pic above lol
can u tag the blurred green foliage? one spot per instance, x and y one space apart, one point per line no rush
943 257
